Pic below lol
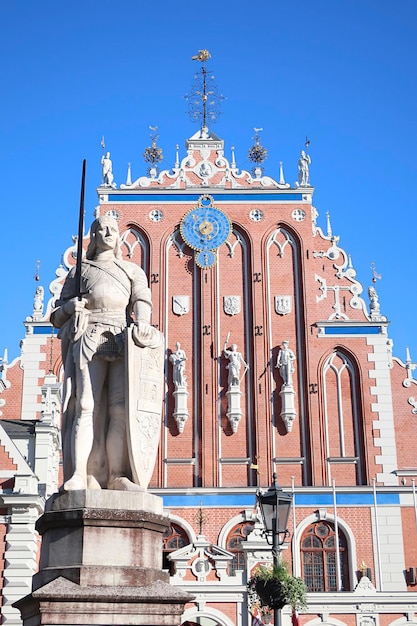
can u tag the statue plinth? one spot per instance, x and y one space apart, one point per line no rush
101 555
234 412
288 412
181 409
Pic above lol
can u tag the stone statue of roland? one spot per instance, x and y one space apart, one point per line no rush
113 360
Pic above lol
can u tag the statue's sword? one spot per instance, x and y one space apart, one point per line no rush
78 292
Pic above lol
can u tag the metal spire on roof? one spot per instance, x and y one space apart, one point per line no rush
204 101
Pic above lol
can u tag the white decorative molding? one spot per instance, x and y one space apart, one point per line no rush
231 246
413 403
201 557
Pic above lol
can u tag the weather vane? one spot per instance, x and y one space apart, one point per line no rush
204 101
375 275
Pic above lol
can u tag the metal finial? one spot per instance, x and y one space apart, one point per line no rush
201 517
36 275
203 56
153 153
204 101
257 153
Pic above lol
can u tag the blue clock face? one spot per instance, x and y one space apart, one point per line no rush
205 227
205 259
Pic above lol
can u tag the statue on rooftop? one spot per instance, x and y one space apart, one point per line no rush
112 396
107 171
303 169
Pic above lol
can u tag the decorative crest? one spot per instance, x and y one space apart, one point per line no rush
204 101
153 153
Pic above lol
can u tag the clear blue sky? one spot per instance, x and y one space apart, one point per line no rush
342 72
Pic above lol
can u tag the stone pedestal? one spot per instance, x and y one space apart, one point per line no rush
234 412
101 563
181 410
288 411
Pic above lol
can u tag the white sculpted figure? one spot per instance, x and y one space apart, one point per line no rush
92 330
285 362
303 169
236 361
107 170
178 359
38 300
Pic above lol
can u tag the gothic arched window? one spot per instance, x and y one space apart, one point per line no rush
173 538
319 558
343 435
234 544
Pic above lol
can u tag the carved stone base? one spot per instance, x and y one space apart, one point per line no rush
101 563
181 410
234 412
288 412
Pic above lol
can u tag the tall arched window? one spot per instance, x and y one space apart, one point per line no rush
174 538
319 558
234 544
344 456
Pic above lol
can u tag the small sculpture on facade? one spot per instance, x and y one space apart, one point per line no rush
285 363
236 361
107 171
178 359
303 169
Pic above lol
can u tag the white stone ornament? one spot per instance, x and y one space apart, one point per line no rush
231 305
298 215
283 305
180 305
178 359
285 364
234 412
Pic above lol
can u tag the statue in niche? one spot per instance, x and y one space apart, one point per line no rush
107 170
178 359
236 361
303 169
285 363
101 345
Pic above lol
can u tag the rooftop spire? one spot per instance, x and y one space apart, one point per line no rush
203 100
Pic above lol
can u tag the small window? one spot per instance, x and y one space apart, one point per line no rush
234 544
174 538
318 557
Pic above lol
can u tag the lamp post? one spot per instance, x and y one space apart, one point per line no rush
275 508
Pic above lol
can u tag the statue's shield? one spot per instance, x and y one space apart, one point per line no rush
145 383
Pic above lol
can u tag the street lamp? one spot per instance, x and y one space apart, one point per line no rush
275 508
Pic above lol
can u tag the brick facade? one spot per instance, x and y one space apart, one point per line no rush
348 450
